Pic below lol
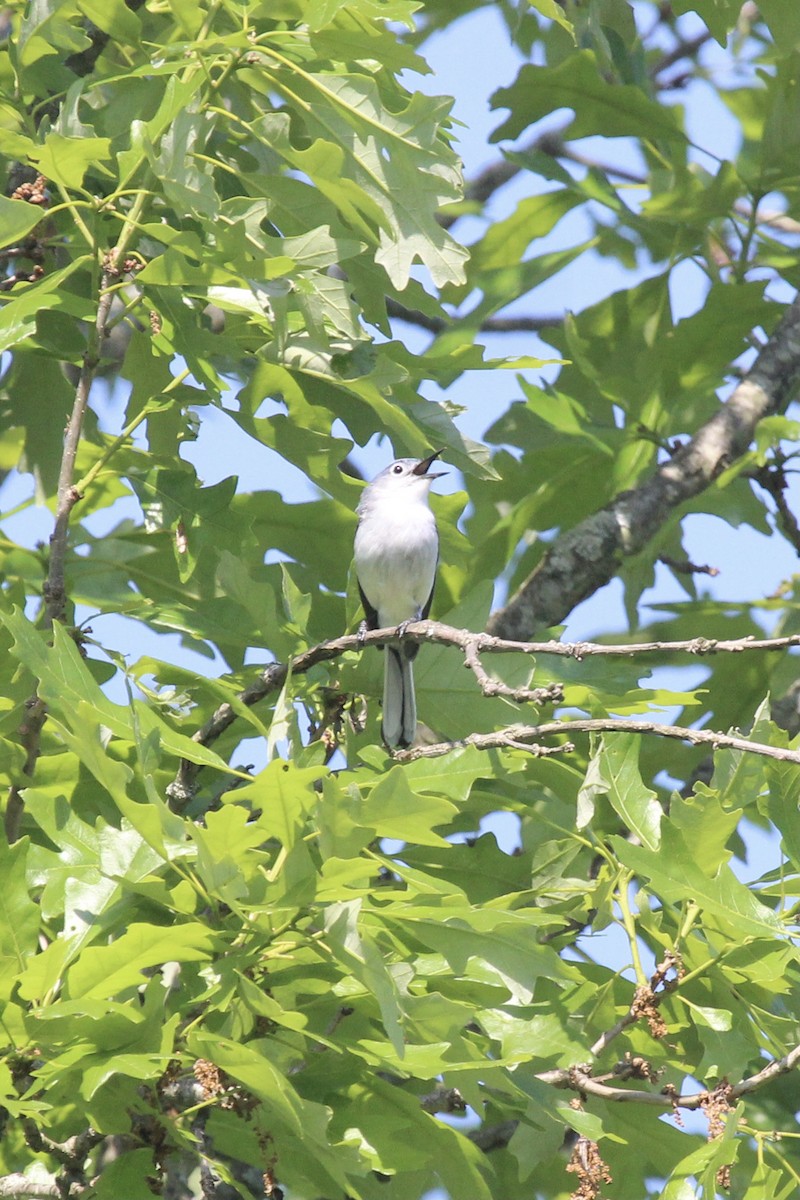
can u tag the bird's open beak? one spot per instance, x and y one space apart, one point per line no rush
423 467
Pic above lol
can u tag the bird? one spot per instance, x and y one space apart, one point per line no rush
396 555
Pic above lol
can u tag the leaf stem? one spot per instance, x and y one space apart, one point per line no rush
88 479
73 206
629 925
689 917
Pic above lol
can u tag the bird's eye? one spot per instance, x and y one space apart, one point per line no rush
398 470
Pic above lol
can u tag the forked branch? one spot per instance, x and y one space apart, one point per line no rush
473 645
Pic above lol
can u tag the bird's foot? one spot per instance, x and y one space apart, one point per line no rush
361 636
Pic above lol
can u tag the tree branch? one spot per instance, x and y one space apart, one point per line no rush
579 1079
68 496
274 676
41 1187
683 48
585 558
54 588
525 737
522 324
71 1153
773 1070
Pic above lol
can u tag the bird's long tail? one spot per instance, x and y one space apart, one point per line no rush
399 703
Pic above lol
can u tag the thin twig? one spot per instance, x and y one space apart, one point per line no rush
580 1080
772 478
551 694
435 324
608 1035
500 172
526 737
685 567
684 48
68 496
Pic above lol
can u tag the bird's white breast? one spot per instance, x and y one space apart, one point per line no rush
396 551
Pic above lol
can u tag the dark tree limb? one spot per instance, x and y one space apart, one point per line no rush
434 324
585 558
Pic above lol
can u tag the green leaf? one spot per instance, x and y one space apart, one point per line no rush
394 810
506 241
676 877
393 1122
66 160
363 959
291 1121
284 795
226 859
46 29
503 940
93 871
19 916
703 1162
107 970
783 807
636 804
780 138
113 17
66 682
397 159
127 1176
706 824
26 301
610 109
17 218
783 22
554 12
451 776
721 17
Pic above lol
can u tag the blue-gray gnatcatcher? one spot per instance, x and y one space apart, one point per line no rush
396 552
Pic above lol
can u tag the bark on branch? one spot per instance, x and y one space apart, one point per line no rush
473 645
42 1187
580 1079
55 592
526 737
585 558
